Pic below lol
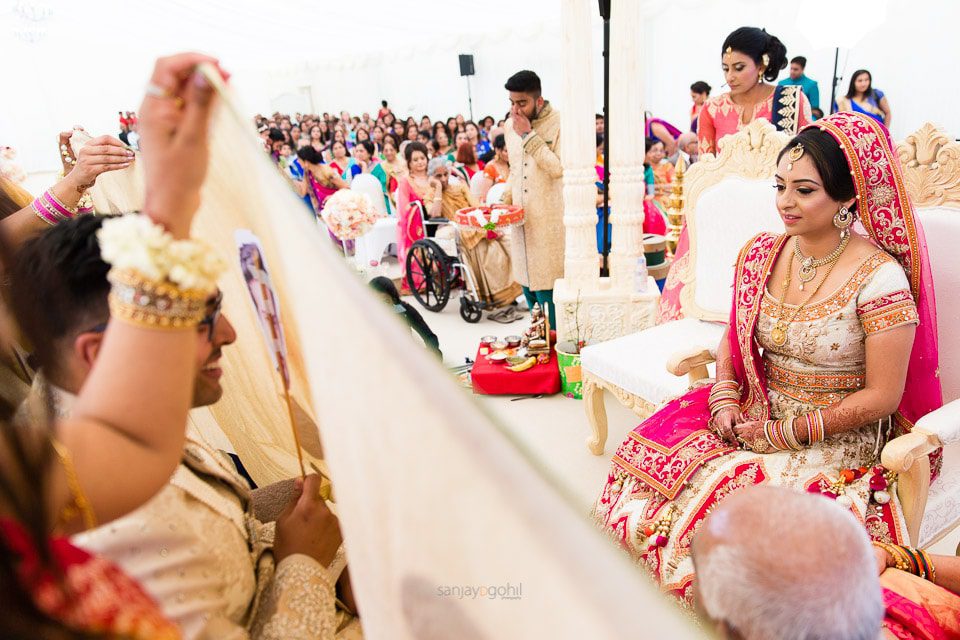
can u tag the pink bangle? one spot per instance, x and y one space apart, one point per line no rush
52 200
44 212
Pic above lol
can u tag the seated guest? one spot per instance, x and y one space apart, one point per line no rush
368 162
362 134
485 126
196 547
320 180
687 147
775 563
392 162
486 253
417 196
846 327
411 132
660 129
442 142
319 135
293 170
699 93
494 172
466 161
659 169
340 160
480 146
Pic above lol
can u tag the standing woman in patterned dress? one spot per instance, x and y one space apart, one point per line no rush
751 59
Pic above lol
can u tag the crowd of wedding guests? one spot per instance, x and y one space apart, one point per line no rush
323 153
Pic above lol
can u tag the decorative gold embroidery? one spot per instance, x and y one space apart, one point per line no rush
907 314
888 311
818 389
835 301
790 108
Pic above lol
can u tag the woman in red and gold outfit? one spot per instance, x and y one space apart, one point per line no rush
848 334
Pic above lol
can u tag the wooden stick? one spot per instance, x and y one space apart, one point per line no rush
293 427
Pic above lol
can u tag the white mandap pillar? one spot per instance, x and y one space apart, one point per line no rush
578 145
589 307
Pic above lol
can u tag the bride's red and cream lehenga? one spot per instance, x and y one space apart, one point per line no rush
672 470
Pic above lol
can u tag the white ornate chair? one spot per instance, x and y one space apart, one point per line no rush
931 162
728 199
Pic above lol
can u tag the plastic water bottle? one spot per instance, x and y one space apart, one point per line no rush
640 274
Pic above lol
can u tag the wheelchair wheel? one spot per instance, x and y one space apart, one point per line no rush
470 310
427 275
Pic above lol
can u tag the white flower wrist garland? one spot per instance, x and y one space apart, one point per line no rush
157 281
135 242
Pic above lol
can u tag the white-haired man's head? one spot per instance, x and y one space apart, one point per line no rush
687 142
775 563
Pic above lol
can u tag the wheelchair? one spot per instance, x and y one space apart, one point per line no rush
434 267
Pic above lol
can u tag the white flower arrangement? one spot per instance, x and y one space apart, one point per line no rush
349 214
134 241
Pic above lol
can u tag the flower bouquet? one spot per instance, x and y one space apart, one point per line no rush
349 214
490 218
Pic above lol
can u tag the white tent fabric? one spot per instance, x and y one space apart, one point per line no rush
81 62
451 529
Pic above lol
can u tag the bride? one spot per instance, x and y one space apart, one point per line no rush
831 350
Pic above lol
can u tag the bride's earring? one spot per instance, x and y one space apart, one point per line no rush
842 220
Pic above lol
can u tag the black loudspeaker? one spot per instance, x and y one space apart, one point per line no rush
466 64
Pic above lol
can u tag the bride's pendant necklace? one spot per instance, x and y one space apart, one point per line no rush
808 266
778 334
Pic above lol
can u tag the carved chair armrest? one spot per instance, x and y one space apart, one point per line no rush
907 455
902 452
692 362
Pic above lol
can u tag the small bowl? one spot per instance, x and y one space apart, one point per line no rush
497 357
486 341
499 345
513 341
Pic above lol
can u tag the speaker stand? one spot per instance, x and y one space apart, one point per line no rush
470 98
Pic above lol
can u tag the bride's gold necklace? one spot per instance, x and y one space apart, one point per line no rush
808 266
778 334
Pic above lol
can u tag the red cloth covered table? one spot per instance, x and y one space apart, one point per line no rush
494 379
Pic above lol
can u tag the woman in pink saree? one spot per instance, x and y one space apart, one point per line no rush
414 194
830 351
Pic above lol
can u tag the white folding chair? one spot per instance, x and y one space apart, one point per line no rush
366 183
